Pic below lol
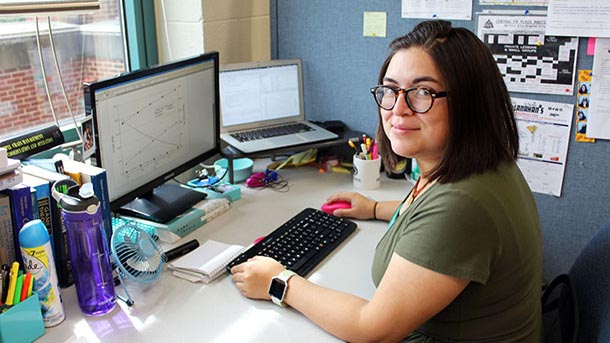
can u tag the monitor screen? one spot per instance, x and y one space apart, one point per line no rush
153 124
260 93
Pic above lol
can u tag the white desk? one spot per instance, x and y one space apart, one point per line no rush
174 310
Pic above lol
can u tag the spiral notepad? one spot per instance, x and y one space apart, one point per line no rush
205 263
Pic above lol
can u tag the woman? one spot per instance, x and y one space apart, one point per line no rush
461 260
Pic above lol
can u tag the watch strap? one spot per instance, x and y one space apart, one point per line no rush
284 276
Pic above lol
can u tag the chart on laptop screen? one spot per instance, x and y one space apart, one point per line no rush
259 94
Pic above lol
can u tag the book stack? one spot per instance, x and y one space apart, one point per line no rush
57 230
81 173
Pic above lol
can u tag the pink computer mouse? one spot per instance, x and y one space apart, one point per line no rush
330 207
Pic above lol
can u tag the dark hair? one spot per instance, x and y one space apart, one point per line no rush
482 128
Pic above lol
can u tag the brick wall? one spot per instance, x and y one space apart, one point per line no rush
23 99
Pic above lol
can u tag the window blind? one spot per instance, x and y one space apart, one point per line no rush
45 7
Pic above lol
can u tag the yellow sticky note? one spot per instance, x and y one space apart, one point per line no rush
374 24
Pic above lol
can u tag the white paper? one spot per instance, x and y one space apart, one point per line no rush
529 61
598 125
584 18
544 134
437 9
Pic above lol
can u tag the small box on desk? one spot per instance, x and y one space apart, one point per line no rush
22 322
218 190
188 221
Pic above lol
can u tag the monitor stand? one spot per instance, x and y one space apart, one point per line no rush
163 204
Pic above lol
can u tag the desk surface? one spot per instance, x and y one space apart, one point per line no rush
174 309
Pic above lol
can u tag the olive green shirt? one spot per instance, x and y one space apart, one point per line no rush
484 229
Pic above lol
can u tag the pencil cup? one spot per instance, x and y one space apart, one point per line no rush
366 173
22 322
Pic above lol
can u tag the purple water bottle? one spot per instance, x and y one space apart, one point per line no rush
88 247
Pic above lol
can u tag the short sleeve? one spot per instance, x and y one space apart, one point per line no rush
450 233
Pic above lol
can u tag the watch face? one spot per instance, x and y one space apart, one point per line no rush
277 289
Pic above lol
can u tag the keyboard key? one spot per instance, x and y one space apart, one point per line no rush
289 129
302 242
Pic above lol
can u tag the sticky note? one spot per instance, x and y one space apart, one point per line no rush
374 24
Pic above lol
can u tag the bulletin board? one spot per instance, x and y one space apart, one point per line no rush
340 65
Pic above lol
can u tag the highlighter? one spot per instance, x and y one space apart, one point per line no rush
18 286
12 283
27 280
31 286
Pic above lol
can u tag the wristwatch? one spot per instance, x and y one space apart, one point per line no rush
279 287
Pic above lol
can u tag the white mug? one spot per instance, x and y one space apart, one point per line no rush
366 173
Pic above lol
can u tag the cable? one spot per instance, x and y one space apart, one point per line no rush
165 27
61 82
44 74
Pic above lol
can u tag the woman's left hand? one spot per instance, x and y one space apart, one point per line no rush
253 277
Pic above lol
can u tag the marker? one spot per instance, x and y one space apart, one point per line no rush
31 286
18 286
11 286
181 250
375 152
27 280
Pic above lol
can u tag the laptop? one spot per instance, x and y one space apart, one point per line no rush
262 107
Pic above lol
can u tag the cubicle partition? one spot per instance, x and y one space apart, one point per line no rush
340 66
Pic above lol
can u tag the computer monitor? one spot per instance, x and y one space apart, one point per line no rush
151 125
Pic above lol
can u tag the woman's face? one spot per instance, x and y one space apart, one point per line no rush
422 136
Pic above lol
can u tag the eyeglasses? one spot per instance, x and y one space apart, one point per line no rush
419 99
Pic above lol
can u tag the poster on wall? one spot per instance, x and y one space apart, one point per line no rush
582 106
599 109
529 61
515 2
583 18
544 133
437 9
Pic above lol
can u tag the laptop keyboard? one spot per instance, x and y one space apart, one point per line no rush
302 242
251 135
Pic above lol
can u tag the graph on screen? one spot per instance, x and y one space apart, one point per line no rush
151 129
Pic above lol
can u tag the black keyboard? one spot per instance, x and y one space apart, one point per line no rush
251 135
302 242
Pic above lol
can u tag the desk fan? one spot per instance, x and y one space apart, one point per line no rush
137 257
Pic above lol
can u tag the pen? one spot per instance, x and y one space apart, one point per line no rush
363 146
1 286
351 144
181 250
11 286
5 281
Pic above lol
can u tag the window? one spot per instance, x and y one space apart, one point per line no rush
88 47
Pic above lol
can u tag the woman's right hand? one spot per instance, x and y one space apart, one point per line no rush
362 207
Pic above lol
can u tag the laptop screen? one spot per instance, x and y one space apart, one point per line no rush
260 93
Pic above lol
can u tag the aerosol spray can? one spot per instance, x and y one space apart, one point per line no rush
38 260
89 252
